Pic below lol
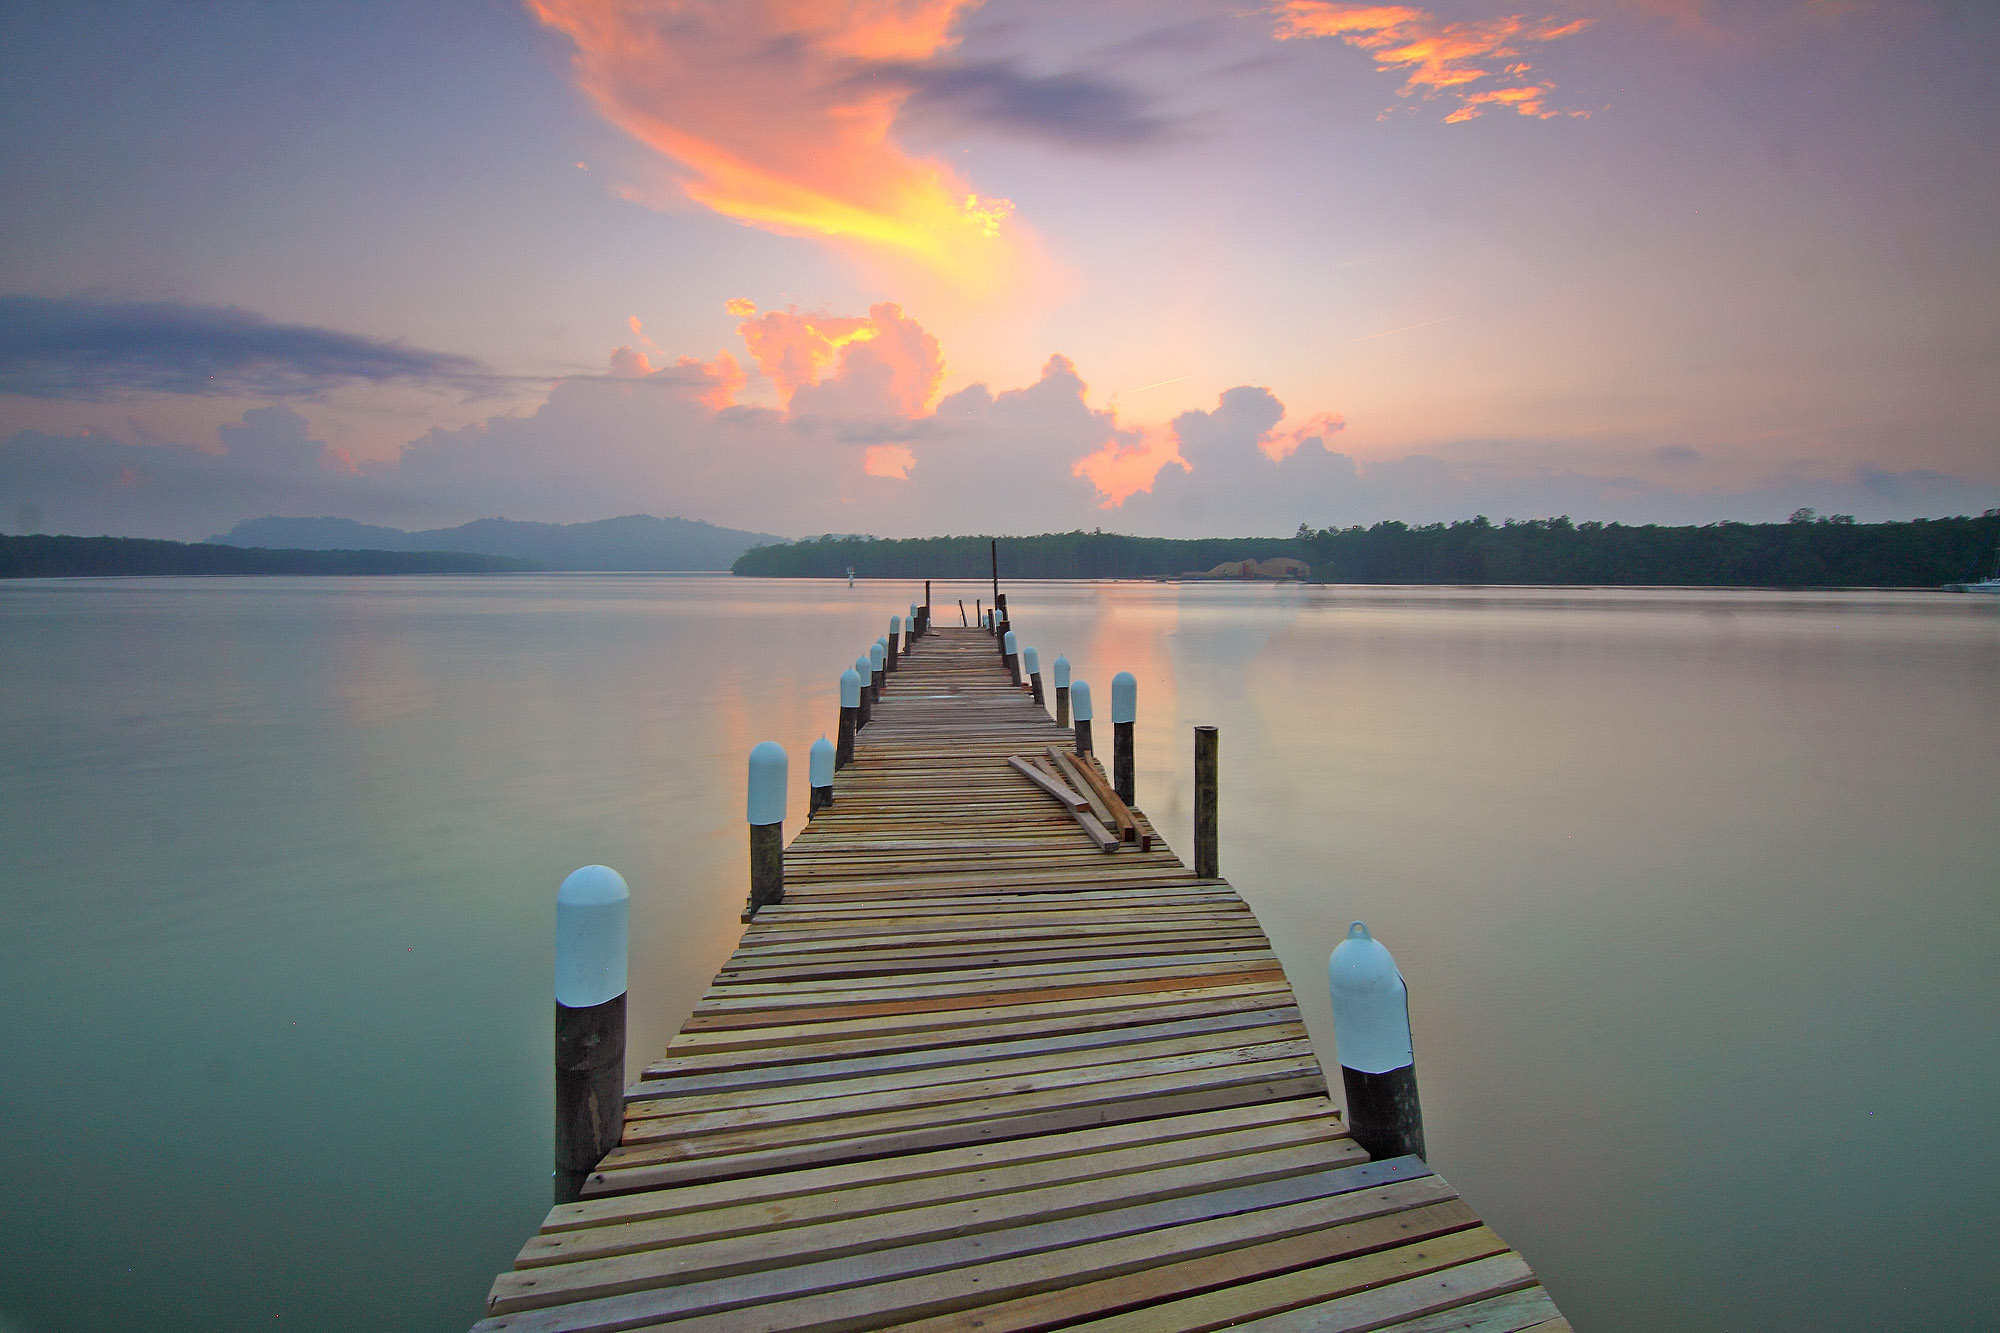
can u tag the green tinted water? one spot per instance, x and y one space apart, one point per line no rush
1695 892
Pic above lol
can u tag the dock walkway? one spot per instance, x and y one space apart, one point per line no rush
975 1074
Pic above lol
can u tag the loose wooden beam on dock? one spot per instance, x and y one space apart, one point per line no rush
973 1073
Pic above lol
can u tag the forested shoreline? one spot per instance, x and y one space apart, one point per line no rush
1808 551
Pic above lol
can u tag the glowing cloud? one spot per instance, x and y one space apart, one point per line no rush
888 460
757 104
883 362
1129 462
1278 445
1437 57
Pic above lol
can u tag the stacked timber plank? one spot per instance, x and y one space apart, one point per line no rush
974 1074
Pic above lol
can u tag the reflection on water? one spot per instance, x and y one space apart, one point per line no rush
1694 891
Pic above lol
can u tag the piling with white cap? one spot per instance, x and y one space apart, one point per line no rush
864 671
1371 1035
819 767
1079 707
1061 669
850 718
1031 662
769 770
890 643
910 630
1010 653
878 657
1207 747
1124 711
1000 629
593 925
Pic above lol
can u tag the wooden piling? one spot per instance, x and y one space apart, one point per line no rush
592 914
1207 743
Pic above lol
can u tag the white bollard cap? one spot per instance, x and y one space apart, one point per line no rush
1124 697
1079 701
819 763
895 626
1009 644
1031 661
864 668
877 655
1062 673
768 770
593 924
1371 1005
850 688
913 613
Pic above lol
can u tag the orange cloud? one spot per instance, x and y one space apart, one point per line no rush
888 460
1437 57
758 105
886 360
1278 445
1128 463
726 378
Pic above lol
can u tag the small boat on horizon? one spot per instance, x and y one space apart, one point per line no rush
1989 584
850 576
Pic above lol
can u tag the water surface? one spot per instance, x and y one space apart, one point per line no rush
1695 892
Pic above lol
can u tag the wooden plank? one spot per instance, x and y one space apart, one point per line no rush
1070 800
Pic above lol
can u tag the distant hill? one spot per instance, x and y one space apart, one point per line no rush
634 542
72 557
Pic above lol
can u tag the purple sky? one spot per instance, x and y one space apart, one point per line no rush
936 266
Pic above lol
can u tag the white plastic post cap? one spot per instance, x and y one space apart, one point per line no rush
1124 697
913 613
1062 673
819 762
1371 1005
1031 661
895 625
877 655
863 667
768 770
593 924
850 688
1009 644
1079 701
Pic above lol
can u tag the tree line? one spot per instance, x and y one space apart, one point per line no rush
42 556
1807 551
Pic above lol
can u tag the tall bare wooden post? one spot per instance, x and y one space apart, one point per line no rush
1207 743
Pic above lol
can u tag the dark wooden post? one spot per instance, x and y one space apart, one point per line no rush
961 613
1031 662
996 571
1207 742
1010 653
593 914
1124 712
850 717
1079 707
866 671
768 773
1062 690
889 644
819 767
878 657
910 629
927 606
1371 1035
979 612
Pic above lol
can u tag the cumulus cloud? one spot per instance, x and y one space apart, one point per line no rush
845 366
91 350
1473 65
755 105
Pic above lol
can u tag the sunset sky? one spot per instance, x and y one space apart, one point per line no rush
928 266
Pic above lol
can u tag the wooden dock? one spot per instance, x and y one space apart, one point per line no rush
974 1073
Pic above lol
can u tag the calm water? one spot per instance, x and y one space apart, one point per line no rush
1698 895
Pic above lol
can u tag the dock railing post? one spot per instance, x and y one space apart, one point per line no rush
593 925
877 657
1010 652
1124 711
819 768
979 612
1079 707
1062 690
850 717
1031 662
769 770
927 606
895 638
1371 1035
1207 741
865 671
910 628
